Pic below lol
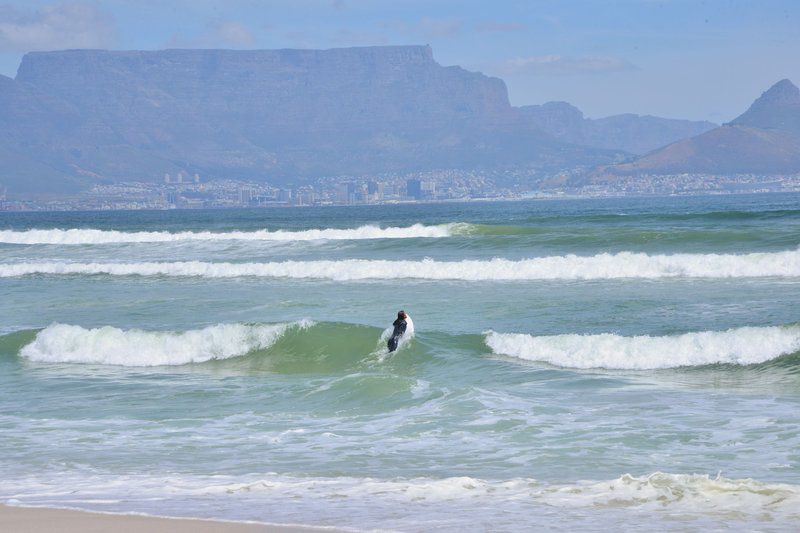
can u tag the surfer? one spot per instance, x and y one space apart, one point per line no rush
400 326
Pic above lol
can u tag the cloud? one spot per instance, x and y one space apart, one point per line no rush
55 27
221 33
562 65
500 27
234 33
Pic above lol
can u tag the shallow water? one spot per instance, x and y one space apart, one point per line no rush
575 364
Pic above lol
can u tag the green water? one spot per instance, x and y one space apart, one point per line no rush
659 338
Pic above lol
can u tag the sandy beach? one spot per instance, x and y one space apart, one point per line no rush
43 520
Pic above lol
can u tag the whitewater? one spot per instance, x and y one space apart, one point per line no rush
740 346
603 266
114 346
575 364
77 236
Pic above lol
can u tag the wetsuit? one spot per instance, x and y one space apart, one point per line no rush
399 328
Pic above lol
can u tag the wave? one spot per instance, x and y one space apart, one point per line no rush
286 348
680 492
64 343
740 346
568 267
96 236
658 491
658 501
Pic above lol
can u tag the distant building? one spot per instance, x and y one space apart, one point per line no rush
375 191
167 179
428 189
197 178
285 196
245 196
347 193
414 189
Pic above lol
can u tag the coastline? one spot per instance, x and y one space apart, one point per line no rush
46 519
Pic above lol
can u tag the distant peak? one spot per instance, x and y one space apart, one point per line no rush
778 108
782 92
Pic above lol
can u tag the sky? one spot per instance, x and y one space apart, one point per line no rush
694 59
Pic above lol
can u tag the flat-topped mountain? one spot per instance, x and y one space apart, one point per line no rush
90 115
763 140
76 117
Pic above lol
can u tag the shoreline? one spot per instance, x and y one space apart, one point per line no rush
45 519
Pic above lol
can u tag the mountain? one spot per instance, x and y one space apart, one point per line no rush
75 117
628 132
777 109
765 139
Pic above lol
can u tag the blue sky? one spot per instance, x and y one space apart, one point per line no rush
676 58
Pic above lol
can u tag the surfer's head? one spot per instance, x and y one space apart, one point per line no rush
402 314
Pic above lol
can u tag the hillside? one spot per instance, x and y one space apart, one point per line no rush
763 140
636 134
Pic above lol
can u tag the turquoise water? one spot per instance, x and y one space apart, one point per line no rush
576 364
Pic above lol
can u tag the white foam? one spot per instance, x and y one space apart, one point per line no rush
63 343
96 236
692 493
653 501
740 346
569 267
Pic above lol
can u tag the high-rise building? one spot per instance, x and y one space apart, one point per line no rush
245 196
285 196
414 189
428 189
375 191
167 178
347 193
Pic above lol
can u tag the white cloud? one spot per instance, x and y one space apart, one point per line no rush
219 34
561 65
235 34
55 27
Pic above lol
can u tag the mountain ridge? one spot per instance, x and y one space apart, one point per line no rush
76 117
765 139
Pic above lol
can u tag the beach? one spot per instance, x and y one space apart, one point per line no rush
43 520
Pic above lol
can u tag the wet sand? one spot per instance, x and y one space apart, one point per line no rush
46 520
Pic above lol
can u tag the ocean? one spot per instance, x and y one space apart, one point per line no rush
577 364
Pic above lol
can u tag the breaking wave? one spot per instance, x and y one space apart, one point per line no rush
683 496
96 236
63 343
740 346
693 493
568 267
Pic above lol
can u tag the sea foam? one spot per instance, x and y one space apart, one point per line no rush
740 346
689 493
64 343
96 236
568 267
